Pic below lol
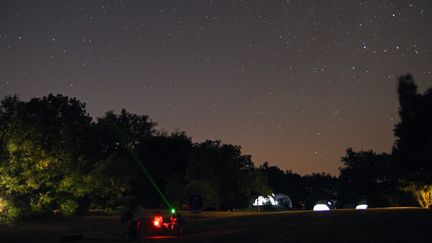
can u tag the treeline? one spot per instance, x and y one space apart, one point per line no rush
406 173
401 178
55 157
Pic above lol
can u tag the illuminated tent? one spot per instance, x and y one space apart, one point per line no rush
278 200
362 205
282 200
323 206
265 201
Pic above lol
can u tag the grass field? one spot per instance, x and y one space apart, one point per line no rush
372 225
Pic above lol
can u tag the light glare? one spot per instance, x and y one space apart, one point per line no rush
362 206
321 207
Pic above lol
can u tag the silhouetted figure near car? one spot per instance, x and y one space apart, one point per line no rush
137 218
180 222
131 224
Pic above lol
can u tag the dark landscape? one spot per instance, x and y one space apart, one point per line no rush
215 121
372 225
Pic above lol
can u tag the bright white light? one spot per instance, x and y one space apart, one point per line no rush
321 207
362 206
261 201
278 200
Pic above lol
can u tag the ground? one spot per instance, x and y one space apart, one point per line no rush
372 225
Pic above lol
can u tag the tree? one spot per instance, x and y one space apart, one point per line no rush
412 167
117 177
166 157
365 175
275 178
229 173
44 163
422 193
286 182
319 186
413 146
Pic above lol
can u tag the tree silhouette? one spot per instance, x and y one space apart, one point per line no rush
364 176
319 186
413 146
229 173
287 182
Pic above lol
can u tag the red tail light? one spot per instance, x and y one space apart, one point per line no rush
157 221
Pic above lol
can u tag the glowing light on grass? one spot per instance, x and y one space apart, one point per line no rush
361 206
321 207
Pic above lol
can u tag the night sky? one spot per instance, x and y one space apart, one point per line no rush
294 82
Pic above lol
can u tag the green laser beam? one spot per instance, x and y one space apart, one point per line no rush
141 165
149 177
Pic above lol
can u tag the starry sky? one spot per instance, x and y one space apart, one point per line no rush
294 82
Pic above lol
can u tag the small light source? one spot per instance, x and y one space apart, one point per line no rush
362 206
157 221
173 211
321 207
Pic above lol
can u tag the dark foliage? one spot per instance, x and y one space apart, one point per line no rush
54 156
413 146
365 176
392 180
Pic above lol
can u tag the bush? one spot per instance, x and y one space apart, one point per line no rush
8 212
68 207
422 194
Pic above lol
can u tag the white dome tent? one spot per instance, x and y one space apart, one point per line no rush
362 205
264 201
283 200
279 200
323 205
